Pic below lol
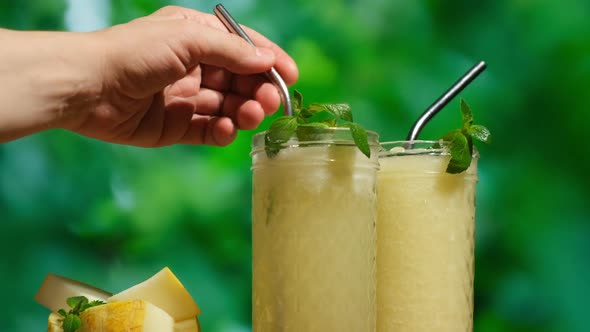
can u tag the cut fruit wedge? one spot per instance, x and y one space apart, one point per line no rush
137 316
159 304
165 291
189 325
55 290
54 323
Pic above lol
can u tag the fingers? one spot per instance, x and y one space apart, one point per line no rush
193 43
187 86
181 126
284 64
176 123
210 131
260 89
216 78
245 113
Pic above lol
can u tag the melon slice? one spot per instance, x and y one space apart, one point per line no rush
159 304
163 290
55 290
137 316
189 325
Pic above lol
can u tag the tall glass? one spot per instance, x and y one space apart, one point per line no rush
313 234
425 240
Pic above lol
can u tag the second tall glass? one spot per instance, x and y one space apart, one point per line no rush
425 240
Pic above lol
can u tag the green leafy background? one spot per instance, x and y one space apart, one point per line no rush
113 215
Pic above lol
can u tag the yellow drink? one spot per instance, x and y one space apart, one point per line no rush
313 229
425 241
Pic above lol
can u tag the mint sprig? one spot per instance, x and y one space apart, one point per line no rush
461 141
307 119
71 319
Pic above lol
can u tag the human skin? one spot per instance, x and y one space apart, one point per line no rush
174 77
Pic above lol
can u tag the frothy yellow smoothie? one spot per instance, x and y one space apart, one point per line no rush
425 243
313 228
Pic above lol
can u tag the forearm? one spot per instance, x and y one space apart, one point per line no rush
44 80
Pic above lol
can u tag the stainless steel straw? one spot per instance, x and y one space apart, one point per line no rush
443 100
273 75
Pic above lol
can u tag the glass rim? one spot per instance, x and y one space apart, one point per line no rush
333 136
418 147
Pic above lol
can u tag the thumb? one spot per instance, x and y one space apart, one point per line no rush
195 43
147 55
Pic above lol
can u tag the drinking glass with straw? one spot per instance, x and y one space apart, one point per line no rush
425 232
314 210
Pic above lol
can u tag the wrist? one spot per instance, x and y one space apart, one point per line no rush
48 81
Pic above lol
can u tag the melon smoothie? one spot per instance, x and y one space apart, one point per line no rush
313 235
425 240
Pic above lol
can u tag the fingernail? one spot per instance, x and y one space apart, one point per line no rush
264 52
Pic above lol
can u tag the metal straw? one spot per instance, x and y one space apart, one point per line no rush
273 75
443 100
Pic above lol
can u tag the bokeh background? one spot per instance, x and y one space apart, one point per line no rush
114 215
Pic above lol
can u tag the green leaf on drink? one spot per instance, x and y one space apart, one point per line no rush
271 148
480 133
309 132
360 138
308 122
282 129
297 101
341 111
460 152
323 117
467 115
461 141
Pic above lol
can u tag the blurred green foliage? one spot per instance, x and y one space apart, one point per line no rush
113 215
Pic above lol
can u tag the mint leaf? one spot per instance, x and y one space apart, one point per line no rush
461 140
312 125
360 138
96 303
304 114
467 115
76 301
306 122
337 111
480 133
297 101
72 323
271 148
342 111
460 152
308 131
282 129
322 117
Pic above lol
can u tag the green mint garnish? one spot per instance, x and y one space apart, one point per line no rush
307 119
461 141
71 320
